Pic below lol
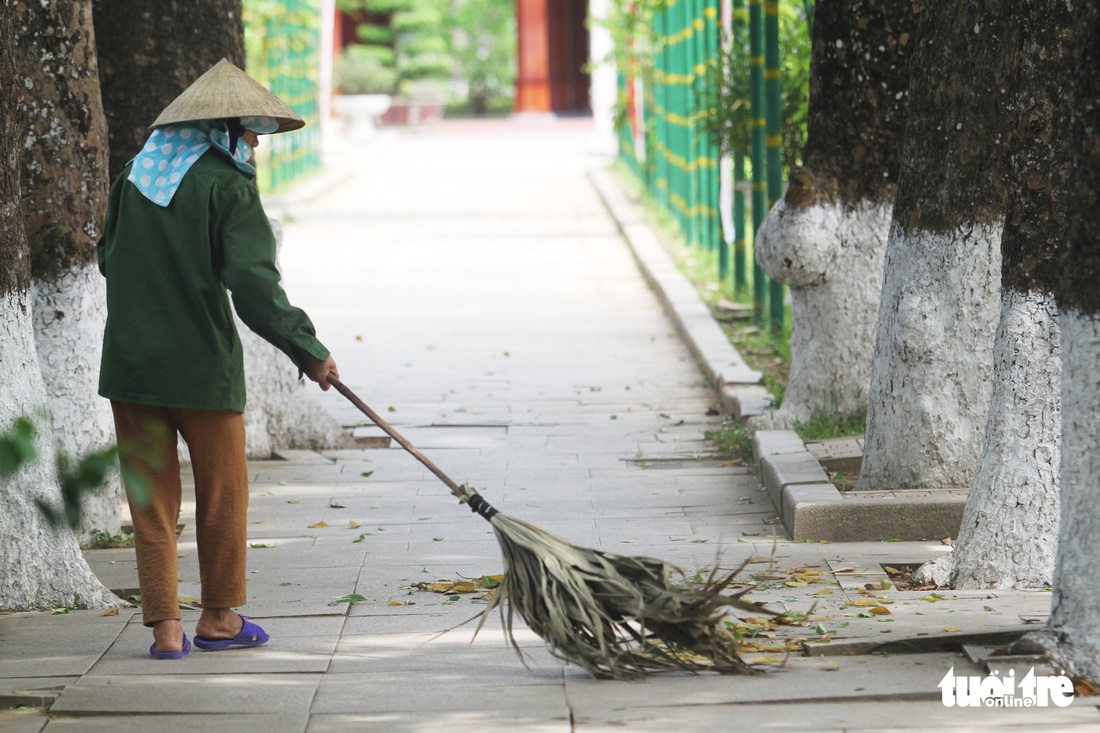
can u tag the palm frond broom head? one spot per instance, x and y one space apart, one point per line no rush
615 616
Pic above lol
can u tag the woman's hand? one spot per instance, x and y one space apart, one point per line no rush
318 370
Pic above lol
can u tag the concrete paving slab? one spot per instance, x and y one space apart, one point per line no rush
22 721
452 690
237 722
483 721
279 694
56 645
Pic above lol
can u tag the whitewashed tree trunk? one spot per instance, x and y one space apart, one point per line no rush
933 362
830 255
1075 610
282 411
40 567
1010 525
69 317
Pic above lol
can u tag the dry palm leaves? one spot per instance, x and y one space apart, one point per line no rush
615 616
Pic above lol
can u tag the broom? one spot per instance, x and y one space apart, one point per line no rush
616 616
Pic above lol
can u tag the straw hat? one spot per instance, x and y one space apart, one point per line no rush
226 91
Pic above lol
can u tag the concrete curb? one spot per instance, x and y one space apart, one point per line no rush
811 507
808 503
737 385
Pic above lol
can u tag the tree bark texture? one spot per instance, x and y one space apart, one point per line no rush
1009 530
39 567
1075 613
64 186
150 52
827 237
933 359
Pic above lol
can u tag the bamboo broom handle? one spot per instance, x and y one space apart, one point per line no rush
388 429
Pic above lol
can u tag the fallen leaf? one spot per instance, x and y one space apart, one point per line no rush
767 660
259 545
465 586
352 524
846 570
951 628
394 603
336 505
880 611
351 598
867 602
319 524
892 571
110 612
293 501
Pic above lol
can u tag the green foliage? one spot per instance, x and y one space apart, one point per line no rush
825 424
402 39
732 441
634 45
365 70
484 49
16 447
77 477
723 90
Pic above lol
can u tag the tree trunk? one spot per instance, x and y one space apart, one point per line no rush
280 413
64 189
150 52
933 360
39 567
1010 526
1075 612
826 238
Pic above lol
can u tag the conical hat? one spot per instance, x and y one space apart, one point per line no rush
226 91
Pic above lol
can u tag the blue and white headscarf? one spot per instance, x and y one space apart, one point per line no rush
170 152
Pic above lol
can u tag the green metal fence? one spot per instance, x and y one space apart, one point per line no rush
282 40
663 142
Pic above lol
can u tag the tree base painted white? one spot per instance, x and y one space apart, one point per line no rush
1009 529
40 567
282 411
932 371
830 255
1075 610
69 317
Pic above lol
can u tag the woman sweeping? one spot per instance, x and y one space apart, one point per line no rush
185 225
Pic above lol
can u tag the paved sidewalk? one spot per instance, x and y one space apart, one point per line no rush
475 290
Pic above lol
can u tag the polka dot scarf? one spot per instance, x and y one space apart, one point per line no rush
170 152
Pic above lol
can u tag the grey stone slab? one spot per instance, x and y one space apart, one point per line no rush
22 721
776 443
779 471
452 690
61 645
299 644
286 722
553 720
260 693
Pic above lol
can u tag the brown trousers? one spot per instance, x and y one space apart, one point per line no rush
215 440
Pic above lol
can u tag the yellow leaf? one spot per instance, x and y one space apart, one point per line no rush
441 587
880 610
892 571
293 501
846 570
767 660
394 603
110 612
319 524
867 602
190 601
951 628
825 542
353 524
465 586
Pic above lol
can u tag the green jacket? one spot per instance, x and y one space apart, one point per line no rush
170 339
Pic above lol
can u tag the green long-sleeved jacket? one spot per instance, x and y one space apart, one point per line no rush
170 338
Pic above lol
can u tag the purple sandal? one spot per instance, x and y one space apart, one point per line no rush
172 655
251 635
